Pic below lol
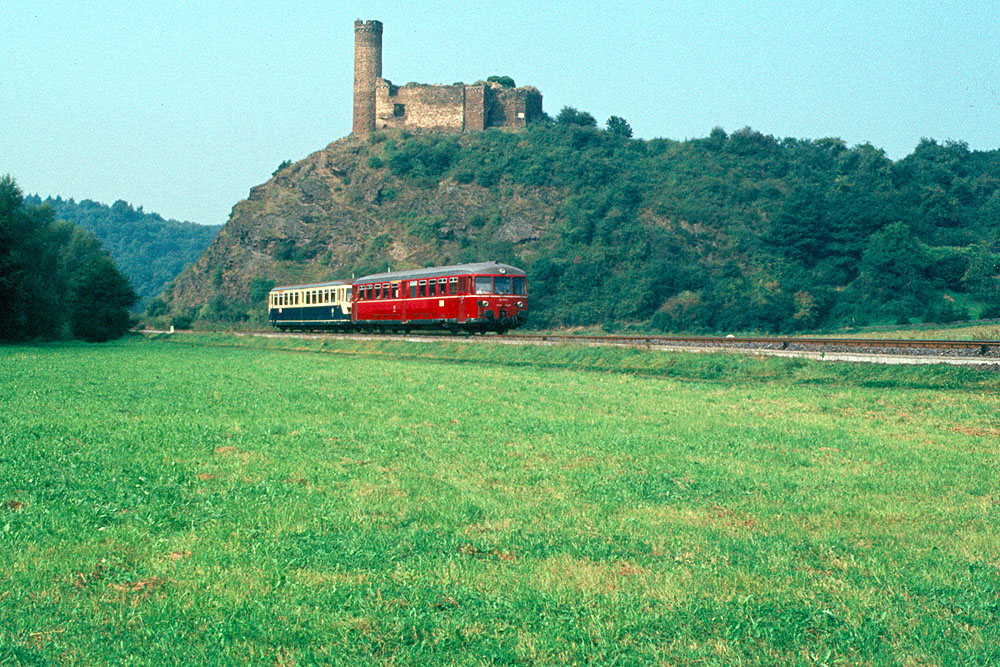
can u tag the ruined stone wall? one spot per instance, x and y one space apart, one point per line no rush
419 106
379 104
516 107
475 107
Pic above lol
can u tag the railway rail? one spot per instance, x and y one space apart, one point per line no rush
872 350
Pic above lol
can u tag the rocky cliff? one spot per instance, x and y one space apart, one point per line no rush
341 212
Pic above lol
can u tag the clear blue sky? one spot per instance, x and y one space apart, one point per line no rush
181 107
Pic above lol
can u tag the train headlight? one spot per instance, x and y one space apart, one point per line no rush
520 304
484 303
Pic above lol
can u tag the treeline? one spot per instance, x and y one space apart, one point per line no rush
732 232
56 281
150 250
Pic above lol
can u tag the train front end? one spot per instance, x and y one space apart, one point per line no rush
500 298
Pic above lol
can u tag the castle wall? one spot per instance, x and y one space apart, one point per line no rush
420 106
475 108
517 106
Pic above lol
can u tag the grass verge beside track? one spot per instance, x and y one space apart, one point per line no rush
211 498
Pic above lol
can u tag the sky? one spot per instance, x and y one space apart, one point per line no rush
181 107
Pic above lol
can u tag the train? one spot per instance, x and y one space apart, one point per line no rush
469 298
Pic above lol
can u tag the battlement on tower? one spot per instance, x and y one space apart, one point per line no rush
368 26
379 104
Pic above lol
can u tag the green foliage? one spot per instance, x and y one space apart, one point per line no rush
425 227
259 289
284 164
182 321
55 278
619 126
570 116
101 298
156 308
151 251
504 81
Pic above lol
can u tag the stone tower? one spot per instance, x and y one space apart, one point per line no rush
367 69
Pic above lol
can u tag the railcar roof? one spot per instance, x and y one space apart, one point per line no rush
439 271
334 283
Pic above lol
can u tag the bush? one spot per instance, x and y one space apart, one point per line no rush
156 308
181 321
945 311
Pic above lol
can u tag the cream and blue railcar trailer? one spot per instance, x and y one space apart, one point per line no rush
315 306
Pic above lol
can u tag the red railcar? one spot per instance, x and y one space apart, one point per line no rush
467 297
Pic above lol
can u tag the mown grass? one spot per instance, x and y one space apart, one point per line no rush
235 500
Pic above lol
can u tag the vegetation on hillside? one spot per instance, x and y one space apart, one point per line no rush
731 232
151 251
736 232
56 280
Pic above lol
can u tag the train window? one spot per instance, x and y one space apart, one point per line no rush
442 286
395 290
431 288
484 284
423 288
520 285
370 292
453 286
413 288
385 290
501 285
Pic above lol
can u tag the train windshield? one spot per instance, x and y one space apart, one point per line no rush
501 285
520 285
484 284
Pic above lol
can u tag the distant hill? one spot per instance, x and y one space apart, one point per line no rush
151 251
731 232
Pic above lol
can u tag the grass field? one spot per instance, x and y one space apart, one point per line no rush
224 500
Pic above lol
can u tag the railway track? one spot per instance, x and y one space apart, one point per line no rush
871 350
906 347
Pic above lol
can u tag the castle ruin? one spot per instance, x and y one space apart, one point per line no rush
378 103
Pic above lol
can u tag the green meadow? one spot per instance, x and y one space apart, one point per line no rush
218 499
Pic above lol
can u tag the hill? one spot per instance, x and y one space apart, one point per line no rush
731 232
151 251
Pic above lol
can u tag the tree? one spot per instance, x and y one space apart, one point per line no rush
54 277
619 126
891 269
570 117
100 301
504 81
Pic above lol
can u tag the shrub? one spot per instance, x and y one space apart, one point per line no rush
181 321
